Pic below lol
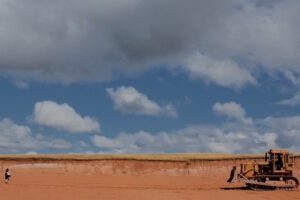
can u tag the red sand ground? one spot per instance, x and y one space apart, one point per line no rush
128 179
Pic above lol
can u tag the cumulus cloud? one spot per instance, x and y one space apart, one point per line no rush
295 100
197 138
16 138
67 41
232 110
225 73
282 123
106 143
263 134
287 129
258 136
290 139
64 117
130 101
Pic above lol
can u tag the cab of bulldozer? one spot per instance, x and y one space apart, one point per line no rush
280 161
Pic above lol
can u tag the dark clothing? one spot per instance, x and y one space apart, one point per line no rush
7 175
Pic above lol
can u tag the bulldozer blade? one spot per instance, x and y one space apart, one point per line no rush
232 175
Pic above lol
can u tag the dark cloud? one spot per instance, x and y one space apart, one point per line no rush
72 40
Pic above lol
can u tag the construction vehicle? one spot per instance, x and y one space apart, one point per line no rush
275 172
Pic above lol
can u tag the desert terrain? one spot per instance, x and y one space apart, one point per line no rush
132 177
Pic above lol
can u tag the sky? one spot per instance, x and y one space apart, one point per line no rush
160 76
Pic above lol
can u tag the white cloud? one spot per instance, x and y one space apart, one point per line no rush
16 138
128 100
64 117
287 129
257 137
104 142
225 72
31 153
290 139
281 132
263 37
232 110
198 138
295 100
282 123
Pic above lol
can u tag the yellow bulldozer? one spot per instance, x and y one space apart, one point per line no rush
275 172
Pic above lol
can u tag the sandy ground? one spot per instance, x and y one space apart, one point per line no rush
44 185
128 180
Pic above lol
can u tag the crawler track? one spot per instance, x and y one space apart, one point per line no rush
291 183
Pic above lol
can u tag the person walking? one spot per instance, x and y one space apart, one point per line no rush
7 175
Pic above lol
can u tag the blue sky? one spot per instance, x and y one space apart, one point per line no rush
111 77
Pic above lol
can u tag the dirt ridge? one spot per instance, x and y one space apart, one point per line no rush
133 157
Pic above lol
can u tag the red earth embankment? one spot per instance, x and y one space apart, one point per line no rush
76 178
208 167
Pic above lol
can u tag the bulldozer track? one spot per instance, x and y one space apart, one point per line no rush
261 186
258 187
257 184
